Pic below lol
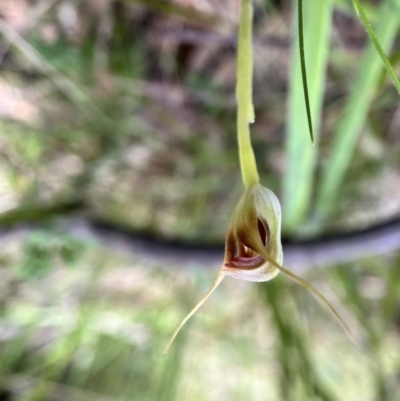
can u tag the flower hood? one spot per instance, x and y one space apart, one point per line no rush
254 232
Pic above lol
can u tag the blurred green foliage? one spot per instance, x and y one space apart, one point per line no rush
42 250
131 118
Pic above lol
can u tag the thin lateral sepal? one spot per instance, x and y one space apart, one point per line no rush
303 67
371 33
309 288
217 282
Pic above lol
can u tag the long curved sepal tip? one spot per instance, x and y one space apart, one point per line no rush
318 295
309 288
220 277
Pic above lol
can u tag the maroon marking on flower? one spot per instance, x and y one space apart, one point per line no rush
245 258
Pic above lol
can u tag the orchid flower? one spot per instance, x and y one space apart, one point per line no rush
253 248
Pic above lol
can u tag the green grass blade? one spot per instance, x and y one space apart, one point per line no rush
303 66
375 41
349 128
298 180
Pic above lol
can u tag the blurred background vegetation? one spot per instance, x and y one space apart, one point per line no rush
123 113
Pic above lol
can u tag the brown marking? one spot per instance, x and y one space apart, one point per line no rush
246 263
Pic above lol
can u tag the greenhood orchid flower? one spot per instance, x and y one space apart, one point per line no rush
253 249
255 228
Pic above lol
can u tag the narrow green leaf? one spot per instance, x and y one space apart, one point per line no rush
301 157
303 67
355 112
375 41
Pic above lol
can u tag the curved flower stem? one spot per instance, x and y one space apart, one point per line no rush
245 113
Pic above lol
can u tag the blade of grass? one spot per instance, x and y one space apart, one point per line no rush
375 41
292 347
355 112
167 378
301 156
70 89
303 66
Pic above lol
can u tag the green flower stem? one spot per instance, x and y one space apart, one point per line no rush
244 79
